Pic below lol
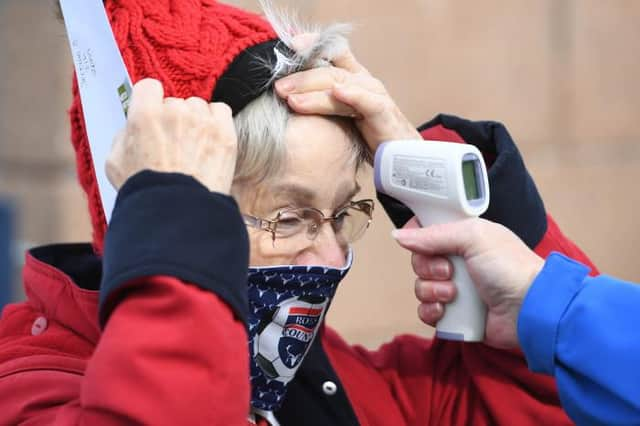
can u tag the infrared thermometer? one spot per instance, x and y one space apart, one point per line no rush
440 182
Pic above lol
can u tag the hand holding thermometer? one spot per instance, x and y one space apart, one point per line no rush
440 182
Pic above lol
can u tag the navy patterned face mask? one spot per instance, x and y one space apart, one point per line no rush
287 305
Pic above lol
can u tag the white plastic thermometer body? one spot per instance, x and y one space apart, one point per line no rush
440 182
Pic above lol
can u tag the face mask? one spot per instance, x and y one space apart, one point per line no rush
287 305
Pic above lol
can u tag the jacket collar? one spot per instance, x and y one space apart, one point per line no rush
61 281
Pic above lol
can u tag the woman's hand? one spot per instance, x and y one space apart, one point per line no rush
347 89
501 265
188 136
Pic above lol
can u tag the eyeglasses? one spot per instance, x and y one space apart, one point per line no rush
349 223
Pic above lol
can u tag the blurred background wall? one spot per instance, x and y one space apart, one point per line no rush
561 74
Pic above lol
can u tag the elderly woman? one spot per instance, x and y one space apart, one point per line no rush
231 232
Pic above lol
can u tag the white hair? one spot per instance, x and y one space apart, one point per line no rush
262 124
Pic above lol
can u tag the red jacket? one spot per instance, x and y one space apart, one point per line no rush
172 352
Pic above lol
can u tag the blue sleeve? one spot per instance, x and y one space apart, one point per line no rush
586 333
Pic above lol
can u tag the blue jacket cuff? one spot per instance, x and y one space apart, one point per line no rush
548 298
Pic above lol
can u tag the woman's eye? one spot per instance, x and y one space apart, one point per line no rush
289 221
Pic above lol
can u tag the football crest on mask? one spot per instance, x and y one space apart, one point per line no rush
285 335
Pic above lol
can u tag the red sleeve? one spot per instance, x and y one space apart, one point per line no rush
164 358
555 240
172 306
443 382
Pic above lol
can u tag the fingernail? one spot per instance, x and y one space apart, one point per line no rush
284 86
439 271
442 292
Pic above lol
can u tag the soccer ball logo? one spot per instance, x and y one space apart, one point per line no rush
285 336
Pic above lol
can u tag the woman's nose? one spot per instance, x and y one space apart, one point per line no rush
326 249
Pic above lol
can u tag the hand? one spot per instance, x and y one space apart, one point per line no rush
346 89
501 266
188 136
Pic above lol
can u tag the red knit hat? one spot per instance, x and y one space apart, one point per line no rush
185 44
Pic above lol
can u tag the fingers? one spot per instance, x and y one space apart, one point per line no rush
445 239
430 313
198 106
220 109
431 267
319 103
433 287
348 101
433 296
348 61
147 93
313 91
313 80
426 266
364 101
222 116
188 136
174 113
434 291
325 78
112 165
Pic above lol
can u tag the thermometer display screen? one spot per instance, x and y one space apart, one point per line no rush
470 180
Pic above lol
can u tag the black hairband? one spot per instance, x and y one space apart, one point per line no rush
248 75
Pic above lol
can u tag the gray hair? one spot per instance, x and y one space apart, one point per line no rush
262 124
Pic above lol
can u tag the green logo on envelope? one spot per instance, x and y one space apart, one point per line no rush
124 92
